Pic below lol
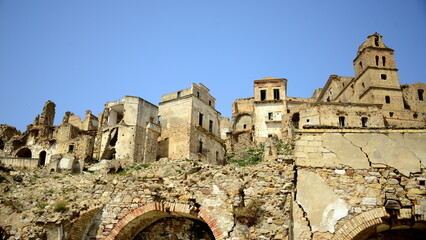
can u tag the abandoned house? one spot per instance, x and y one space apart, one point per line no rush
128 131
190 126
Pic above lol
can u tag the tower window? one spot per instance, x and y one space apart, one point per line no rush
262 95
364 122
210 102
387 99
198 94
360 64
276 94
420 93
341 121
377 60
376 41
384 61
200 119
179 94
210 126
383 76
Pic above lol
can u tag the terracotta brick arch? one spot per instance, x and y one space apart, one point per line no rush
145 215
81 226
359 223
377 220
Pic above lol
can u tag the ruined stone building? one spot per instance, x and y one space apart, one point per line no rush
355 167
43 144
128 131
190 126
374 98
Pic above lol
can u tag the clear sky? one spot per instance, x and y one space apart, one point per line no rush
83 53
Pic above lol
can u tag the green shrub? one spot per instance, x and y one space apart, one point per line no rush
252 157
60 206
42 205
283 148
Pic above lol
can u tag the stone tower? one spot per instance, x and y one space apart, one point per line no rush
376 75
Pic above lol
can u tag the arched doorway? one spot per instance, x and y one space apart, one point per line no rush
24 153
379 224
170 228
42 159
166 221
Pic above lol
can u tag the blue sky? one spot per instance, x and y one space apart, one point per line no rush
82 54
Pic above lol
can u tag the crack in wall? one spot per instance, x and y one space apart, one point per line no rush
360 148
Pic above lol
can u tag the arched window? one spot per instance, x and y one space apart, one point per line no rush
387 99
377 60
360 64
384 61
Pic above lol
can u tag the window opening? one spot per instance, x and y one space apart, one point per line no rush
42 159
364 122
387 99
210 126
360 64
376 41
70 148
295 119
420 93
390 114
384 61
200 119
270 116
288 110
159 118
198 94
383 76
377 60
244 126
200 150
341 121
422 182
276 94
307 120
210 102
363 85
262 95
179 94
415 115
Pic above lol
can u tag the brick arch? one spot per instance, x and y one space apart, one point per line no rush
147 214
81 226
361 222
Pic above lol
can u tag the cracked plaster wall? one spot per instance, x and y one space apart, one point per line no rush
404 151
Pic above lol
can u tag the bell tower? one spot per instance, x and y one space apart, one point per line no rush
376 74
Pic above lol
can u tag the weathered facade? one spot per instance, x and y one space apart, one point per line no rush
190 126
128 131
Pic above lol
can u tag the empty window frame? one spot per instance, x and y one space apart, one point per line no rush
270 116
200 119
341 121
200 149
384 61
210 126
360 64
71 148
387 99
276 94
364 122
376 41
383 76
390 114
210 102
262 95
198 94
179 94
420 94
377 60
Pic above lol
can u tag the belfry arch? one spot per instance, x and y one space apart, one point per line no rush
133 225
